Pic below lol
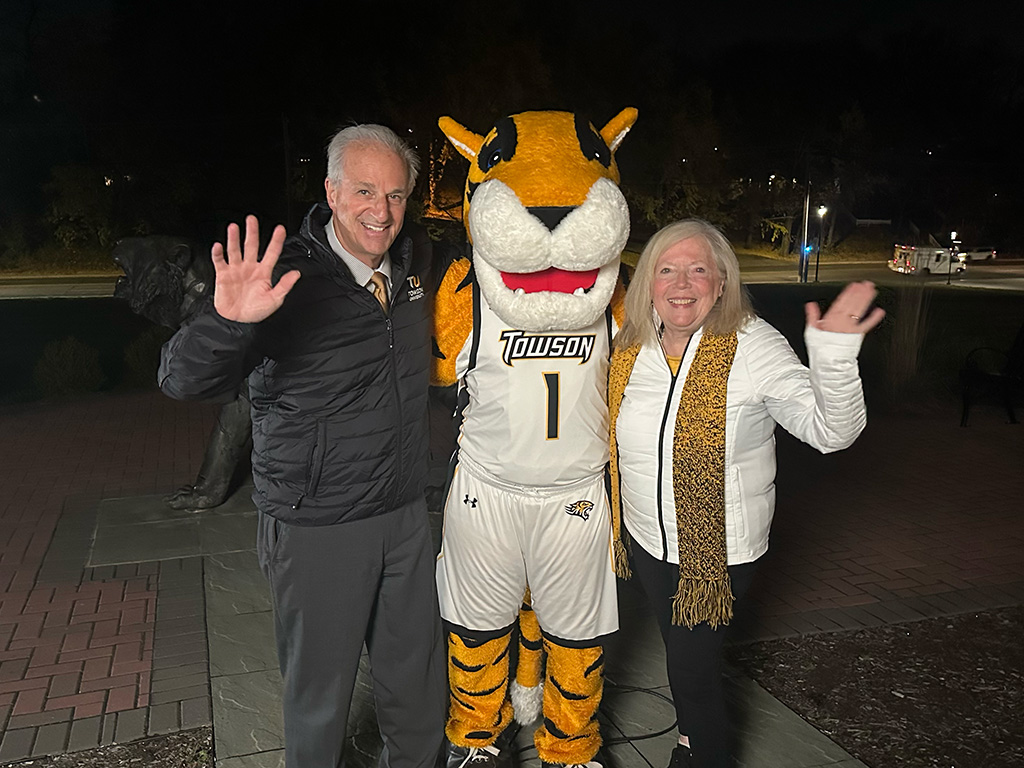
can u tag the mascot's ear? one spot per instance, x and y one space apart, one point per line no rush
617 128
464 140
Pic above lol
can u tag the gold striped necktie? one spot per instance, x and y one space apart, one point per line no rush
380 289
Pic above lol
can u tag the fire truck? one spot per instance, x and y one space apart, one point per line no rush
924 260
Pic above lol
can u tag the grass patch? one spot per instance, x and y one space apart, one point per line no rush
836 255
54 260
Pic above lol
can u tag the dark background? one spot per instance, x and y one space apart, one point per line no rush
121 117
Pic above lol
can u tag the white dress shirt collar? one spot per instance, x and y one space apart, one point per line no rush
360 271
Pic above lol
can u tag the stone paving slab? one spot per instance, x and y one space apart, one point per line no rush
766 733
234 584
247 713
241 643
274 759
145 528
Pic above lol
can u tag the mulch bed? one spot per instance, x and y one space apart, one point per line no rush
938 692
187 749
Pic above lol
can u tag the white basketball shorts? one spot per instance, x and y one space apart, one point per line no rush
500 538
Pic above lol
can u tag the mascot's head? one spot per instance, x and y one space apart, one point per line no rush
545 215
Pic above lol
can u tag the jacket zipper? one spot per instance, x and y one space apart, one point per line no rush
315 464
397 278
662 525
399 420
661 470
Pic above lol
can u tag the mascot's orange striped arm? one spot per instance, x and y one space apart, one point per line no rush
547 222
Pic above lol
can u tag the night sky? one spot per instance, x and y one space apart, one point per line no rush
918 106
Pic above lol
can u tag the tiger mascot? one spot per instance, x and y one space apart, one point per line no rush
525 329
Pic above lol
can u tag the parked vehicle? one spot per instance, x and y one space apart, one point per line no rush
912 260
978 254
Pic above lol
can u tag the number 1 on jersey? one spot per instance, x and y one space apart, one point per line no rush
551 382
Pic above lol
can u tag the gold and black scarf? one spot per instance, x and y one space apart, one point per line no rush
698 479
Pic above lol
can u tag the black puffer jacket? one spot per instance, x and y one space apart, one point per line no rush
338 389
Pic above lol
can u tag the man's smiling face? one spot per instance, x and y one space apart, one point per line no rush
369 201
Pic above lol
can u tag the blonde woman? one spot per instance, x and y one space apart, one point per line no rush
697 384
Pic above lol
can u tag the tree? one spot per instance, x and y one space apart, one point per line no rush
81 206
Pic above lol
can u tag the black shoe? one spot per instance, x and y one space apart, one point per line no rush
475 757
681 757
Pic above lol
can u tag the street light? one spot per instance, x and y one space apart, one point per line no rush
822 210
805 249
952 252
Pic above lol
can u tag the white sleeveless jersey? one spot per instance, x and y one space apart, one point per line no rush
537 410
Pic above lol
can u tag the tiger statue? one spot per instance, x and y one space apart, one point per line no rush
525 329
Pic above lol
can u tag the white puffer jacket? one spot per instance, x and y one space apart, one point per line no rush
822 405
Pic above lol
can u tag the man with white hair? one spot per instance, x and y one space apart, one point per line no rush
331 327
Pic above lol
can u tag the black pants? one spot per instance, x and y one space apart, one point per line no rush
694 658
335 586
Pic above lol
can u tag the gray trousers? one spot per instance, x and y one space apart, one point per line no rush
334 587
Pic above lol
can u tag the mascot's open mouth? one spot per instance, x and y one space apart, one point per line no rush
550 279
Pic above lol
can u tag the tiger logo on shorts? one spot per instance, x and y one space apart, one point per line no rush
580 508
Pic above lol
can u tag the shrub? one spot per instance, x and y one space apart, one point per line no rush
68 365
142 357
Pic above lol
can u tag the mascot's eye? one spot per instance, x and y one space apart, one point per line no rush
501 147
591 144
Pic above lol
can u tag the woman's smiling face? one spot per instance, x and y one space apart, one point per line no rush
686 286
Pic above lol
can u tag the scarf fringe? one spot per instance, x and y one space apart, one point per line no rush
698 600
621 559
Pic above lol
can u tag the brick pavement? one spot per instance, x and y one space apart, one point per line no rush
85 659
920 518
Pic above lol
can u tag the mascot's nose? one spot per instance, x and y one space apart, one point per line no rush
551 216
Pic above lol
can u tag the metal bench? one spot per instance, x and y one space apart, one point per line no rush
987 370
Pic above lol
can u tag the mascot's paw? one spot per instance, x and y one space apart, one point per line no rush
194 498
528 703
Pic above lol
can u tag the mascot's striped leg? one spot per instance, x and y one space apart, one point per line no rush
527 693
478 681
572 692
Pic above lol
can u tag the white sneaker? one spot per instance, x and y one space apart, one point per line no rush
474 757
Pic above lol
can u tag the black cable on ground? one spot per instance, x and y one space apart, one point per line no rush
624 739
634 689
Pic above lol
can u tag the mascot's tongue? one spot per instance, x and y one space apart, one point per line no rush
550 279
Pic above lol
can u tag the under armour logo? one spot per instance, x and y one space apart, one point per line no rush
469 501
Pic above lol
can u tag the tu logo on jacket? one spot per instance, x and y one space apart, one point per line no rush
415 289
